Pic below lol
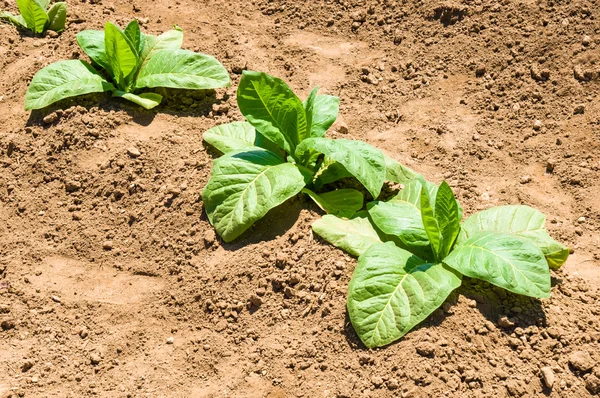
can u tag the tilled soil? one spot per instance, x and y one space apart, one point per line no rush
113 283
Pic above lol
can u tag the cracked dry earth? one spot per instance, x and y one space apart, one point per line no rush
113 283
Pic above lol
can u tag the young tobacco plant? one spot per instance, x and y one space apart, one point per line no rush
37 16
413 252
281 151
131 61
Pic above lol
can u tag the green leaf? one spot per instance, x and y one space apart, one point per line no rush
61 80
360 159
244 186
392 291
508 261
16 20
446 215
145 100
523 221
273 109
321 113
341 202
169 40
396 172
431 225
182 69
57 17
402 220
92 42
33 14
44 3
330 171
412 193
133 33
353 236
231 137
121 54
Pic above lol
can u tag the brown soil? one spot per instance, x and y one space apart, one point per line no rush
112 283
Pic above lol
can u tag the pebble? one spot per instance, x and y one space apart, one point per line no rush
53 35
579 109
56 299
480 70
72 186
586 41
209 238
548 376
581 220
426 349
170 340
51 118
505 323
134 152
95 358
537 125
221 325
107 245
592 383
27 364
581 360
525 179
550 165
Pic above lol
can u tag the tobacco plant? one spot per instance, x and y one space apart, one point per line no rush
413 251
37 16
131 61
280 151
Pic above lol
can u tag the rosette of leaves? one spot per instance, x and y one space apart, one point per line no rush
38 16
413 251
130 61
280 151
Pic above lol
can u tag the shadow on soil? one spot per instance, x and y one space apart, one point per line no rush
193 103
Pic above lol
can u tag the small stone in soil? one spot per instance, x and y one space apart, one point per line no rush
579 110
134 152
548 376
170 340
581 360
95 359
505 323
107 245
426 349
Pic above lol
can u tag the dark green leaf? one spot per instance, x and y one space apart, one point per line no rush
431 225
135 36
446 215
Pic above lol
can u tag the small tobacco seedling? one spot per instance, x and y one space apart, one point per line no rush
281 151
37 16
413 251
131 61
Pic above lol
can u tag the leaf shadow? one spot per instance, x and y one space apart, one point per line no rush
176 102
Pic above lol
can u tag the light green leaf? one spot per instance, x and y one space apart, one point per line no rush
330 171
16 20
61 80
412 193
392 291
231 137
133 33
92 42
244 186
434 233
182 69
145 100
57 16
33 14
508 261
44 3
396 172
121 54
341 202
446 215
523 221
169 40
321 113
273 109
360 159
353 236
402 220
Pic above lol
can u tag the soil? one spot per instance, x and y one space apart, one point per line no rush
113 283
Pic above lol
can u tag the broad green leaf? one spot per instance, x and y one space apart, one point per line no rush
92 42
353 236
169 40
431 225
396 172
33 14
446 215
16 20
244 186
321 112
508 261
61 80
182 69
145 100
403 220
231 137
57 16
133 33
341 202
120 53
44 3
392 291
523 221
360 159
412 193
273 109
